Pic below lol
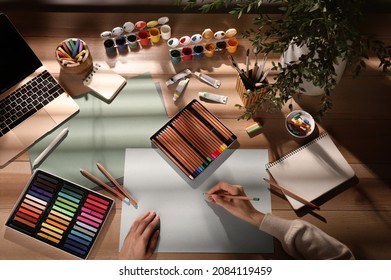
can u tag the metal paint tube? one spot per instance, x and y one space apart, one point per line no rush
178 77
207 79
180 88
213 97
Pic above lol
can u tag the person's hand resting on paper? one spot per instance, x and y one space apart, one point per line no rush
299 238
141 240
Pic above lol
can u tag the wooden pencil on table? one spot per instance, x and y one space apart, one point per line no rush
118 185
291 194
103 184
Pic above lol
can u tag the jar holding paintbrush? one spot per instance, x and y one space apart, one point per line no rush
74 56
252 83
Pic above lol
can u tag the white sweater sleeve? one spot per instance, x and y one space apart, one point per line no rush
302 240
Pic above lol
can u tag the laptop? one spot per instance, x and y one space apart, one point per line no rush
32 103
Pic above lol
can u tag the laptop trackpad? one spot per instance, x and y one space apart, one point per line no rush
10 146
34 127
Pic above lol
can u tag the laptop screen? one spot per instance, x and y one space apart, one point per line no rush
17 59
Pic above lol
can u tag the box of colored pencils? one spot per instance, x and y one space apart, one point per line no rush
193 139
60 213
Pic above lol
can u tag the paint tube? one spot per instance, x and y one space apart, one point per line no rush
180 88
207 79
213 97
178 77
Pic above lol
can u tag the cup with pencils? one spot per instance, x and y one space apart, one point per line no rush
74 56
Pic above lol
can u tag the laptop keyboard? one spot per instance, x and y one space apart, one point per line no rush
27 100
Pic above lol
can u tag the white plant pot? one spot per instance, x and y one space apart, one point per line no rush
293 54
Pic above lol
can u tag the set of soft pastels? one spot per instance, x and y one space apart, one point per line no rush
60 213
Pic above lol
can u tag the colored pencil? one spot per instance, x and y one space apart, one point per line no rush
205 130
172 158
118 185
240 197
218 125
107 187
196 141
188 153
176 153
196 129
189 149
291 194
191 141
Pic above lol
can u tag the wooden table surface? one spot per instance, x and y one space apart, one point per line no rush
359 123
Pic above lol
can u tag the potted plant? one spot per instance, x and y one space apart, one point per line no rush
329 32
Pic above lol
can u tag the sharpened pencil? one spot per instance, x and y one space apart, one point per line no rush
98 181
241 197
291 194
118 185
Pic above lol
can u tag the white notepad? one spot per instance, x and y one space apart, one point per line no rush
311 170
104 81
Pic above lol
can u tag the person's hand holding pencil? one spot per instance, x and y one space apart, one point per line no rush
233 199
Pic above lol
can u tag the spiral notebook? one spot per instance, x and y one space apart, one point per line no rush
311 170
104 82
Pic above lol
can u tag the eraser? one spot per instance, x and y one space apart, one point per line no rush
253 127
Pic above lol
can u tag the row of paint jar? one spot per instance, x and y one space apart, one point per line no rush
142 38
188 53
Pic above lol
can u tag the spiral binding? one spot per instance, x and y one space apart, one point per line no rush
93 71
270 164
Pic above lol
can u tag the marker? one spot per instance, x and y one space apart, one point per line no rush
49 148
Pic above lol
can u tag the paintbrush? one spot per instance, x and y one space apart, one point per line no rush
247 82
260 69
248 63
